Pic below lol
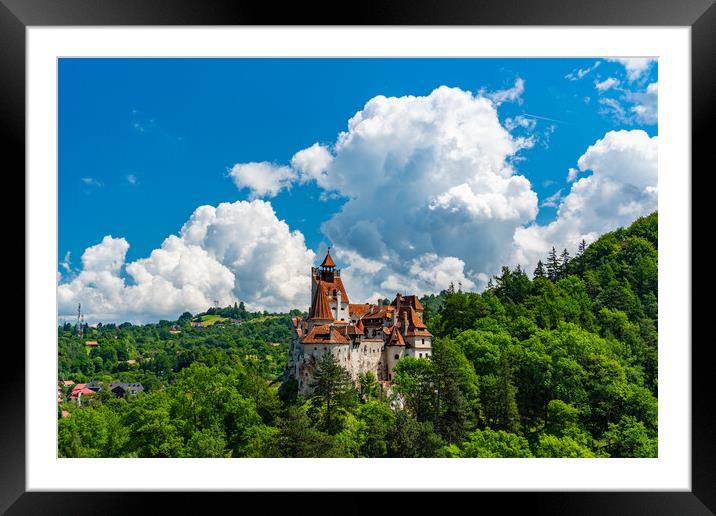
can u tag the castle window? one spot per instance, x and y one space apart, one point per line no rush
421 355
397 357
423 341
315 348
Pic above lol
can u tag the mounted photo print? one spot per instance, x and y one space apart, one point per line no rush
366 258
286 258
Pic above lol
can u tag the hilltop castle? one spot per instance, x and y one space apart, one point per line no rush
363 337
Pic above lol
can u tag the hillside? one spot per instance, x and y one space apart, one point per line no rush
557 363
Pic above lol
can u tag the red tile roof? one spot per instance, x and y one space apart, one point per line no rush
413 301
396 337
328 261
415 319
84 391
330 286
91 343
320 309
359 310
384 312
321 334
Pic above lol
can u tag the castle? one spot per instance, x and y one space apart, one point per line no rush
362 337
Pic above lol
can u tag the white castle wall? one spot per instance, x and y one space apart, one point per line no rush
391 352
366 356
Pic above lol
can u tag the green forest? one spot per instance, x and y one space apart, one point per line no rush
556 362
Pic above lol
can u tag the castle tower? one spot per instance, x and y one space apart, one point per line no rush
362 337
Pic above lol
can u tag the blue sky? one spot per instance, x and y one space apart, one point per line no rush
144 142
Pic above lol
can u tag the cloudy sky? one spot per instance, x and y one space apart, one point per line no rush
184 181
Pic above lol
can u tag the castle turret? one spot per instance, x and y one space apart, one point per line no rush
320 309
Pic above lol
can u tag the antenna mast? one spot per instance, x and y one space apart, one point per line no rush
80 319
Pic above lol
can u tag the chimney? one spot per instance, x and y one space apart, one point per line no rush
331 329
397 307
380 302
405 322
338 304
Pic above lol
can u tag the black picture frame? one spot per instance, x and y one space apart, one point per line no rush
16 15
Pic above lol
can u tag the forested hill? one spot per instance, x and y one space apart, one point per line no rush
559 362
564 359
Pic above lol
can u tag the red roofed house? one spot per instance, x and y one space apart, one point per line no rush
91 343
363 337
79 391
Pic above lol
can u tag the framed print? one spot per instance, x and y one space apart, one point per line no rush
268 255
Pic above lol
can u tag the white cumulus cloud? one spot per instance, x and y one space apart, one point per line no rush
235 251
427 180
262 179
312 163
622 187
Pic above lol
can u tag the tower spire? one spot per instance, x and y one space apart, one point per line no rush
328 262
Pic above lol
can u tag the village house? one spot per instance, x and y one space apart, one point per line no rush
95 386
363 337
78 391
121 389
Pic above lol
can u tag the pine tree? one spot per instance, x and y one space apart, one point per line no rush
332 386
553 265
539 271
582 247
565 261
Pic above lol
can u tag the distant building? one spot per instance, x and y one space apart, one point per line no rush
95 386
122 389
197 324
91 343
79 391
